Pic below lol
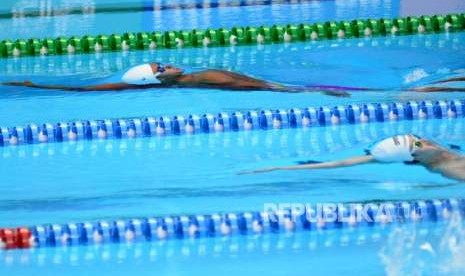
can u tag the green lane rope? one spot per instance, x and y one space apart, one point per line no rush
233 36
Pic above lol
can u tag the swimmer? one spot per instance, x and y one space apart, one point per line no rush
442 88
156 75
409 149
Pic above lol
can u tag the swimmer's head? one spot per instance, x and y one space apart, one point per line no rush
426 150
399 148
153 73
407 148
166 72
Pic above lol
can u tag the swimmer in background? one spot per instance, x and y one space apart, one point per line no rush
156 75
409 149
442 88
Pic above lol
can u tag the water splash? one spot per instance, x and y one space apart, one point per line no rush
415 75
426 249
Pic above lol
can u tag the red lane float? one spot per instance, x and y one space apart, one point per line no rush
12 238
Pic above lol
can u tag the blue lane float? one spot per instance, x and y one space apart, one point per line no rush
233 121
309 141
155 252
274 219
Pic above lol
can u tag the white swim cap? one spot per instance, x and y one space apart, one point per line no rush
141 75
399 148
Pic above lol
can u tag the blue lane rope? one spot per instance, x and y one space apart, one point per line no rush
243 223
246 245
322 140
233 121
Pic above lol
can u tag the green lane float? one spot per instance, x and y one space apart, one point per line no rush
234 36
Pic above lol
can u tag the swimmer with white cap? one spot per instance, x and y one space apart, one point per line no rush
408 148
156 75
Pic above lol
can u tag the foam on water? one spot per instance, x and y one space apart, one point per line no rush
415 75
412 251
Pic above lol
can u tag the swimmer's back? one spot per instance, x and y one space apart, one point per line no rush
223 79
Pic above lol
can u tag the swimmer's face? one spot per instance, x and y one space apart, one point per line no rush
166 71
425 150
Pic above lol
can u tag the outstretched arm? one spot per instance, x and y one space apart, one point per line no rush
100 87
462 78
441 88
358 160
330 90
427 89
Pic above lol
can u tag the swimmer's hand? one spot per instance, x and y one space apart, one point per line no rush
337 93
308 162
18 83
312 89
271 169
264 170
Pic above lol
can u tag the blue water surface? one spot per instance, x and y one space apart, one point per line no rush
198 174
55 19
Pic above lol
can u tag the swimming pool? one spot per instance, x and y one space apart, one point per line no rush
177 175
141 173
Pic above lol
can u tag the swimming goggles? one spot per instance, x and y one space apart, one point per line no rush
160 67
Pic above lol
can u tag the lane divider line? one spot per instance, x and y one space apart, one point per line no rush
234 36
274 219
233 121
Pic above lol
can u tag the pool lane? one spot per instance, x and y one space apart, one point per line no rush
148 177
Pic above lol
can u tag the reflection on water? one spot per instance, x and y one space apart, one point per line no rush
231 58
331 252
191 249
42 18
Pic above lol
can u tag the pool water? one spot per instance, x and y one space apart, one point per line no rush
200 174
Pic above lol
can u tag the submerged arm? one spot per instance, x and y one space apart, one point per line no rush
441 88
451 80
330 90
427 89
358 160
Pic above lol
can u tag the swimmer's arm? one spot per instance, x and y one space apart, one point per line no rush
328 92
101 87
324 165
451 80
427 89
